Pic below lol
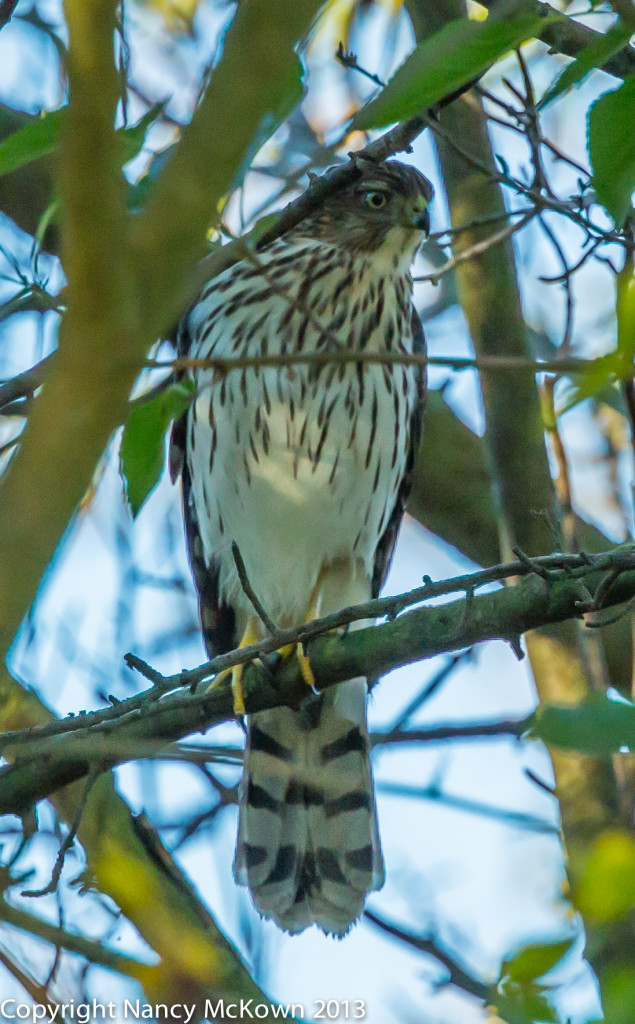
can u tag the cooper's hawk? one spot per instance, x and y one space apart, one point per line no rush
306 469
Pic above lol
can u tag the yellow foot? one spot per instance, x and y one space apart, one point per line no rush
250 636
303 660
303 657
236 672
305 666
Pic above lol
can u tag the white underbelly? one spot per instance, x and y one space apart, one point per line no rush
292 495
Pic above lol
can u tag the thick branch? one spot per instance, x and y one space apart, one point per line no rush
564 35
69 426
490 298
116 304
46 764
7 8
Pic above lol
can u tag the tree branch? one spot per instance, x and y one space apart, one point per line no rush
564 35
92 950
7 8
107 738
426 944
125 274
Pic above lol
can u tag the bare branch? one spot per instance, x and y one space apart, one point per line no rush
426 944
485 362
479 247
7 7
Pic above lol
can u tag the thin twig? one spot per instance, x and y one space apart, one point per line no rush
559 278
519 129
24 384
566 281
540 200
250 593
486 362
349 61
562 481
68 841
429 690
38 993
440 733
425 944
531 123
478 248
514 819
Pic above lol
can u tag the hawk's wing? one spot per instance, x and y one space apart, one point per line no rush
386 546
218 621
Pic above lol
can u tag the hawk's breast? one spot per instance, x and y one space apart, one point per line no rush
298 465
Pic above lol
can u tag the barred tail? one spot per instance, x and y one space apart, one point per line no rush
308 845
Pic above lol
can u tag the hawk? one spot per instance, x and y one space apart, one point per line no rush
306 468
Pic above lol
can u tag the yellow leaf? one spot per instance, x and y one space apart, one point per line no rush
606 889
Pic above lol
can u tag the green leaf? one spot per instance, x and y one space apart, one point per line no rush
588 59
133 138
41 136
142 446
139 193
625 308
451 58
605 890
612 149
529 1007
291 93
597 726
618 993
36 139
534 961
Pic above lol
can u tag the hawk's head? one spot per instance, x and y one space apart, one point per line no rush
385 209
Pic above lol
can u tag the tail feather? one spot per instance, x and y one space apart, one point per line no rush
308 844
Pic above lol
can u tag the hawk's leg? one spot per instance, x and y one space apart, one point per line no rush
250 636
303 658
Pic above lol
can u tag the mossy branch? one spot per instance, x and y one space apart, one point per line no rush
556 589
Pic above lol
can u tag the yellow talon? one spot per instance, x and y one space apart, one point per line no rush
236 672
303 658
250 636
305 666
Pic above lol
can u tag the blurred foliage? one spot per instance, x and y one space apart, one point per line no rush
605 890
522 996
178 15
598 725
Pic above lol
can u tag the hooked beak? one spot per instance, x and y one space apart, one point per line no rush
421 221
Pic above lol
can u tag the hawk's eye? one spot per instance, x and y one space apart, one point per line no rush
375 200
